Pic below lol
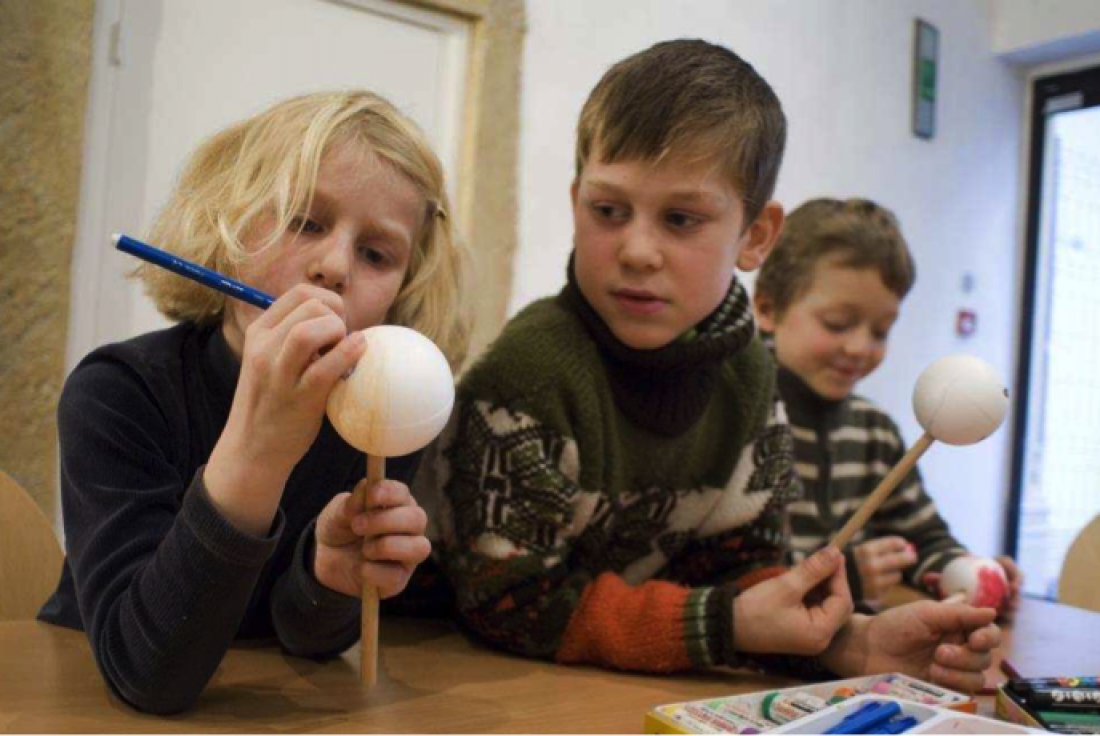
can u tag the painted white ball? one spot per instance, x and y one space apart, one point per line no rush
960 400
399 396
980 580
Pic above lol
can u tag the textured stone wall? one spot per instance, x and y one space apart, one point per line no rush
45 54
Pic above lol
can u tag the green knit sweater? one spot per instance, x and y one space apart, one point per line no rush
572 529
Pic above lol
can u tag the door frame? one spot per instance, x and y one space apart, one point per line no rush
486 179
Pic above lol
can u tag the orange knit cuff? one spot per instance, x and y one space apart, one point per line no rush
654 627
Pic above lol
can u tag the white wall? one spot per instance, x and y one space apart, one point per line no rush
1030 32
843 70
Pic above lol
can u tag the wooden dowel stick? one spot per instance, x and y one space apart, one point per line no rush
870 506
368 642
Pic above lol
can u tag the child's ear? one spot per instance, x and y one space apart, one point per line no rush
764 307
759 239
573 189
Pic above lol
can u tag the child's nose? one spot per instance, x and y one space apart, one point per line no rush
860 343
330 264
641 247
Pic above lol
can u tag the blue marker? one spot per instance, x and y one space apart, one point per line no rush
867 718
894 726
193 271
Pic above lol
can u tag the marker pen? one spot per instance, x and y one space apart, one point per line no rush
875 713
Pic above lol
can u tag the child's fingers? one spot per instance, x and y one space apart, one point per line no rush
1012 572
985 639
962 658
389 577
407 550
814 570
300 294
383 494
883 581
959 618
323 373
314 332
838 584
334 523
898 560
837 604
966 681
409 520
355 501
893 544
389 493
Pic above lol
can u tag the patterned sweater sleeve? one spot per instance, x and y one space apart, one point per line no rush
748 555
518 512
911 513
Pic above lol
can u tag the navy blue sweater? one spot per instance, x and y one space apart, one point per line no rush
159 580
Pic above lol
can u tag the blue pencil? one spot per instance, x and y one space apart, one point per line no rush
193 271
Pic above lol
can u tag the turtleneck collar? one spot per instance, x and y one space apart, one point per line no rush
805 406
666 390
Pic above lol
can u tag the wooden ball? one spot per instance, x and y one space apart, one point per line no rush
399 396
960 400
981 581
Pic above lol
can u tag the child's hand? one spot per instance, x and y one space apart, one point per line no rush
381 546
880 563
947 643
797 612
294 353
1015 583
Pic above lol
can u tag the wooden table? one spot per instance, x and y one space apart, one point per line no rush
431 679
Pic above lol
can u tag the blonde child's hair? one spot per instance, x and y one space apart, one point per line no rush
268 164
694 100
853 233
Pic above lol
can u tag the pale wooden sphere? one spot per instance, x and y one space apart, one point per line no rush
980 580
399 396
960 400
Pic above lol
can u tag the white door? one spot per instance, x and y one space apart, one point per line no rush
168 73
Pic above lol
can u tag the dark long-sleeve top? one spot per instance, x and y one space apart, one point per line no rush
161 582
842 450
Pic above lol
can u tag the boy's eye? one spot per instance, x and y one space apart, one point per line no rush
606 211
682 220
835 326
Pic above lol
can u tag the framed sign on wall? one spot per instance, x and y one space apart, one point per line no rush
926 52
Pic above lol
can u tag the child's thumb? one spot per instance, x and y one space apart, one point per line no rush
816 568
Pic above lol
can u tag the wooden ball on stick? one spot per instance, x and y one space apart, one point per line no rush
959 400
396 401
978 581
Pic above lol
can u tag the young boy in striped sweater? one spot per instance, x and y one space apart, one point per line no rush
829 295
615 477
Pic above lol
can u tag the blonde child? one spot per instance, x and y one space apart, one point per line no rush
829 295
616 476
205 497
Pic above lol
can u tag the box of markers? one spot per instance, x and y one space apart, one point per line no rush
1059 704
878 714
767 710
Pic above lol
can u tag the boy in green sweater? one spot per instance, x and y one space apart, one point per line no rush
829 295
615 477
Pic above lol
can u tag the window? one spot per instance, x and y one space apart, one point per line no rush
1056 459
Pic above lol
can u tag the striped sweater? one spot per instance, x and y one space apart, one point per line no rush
843 449
571 532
